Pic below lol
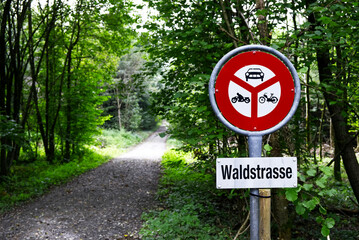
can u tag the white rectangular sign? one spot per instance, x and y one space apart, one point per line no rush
264 172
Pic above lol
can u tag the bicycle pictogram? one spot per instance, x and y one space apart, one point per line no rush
273 99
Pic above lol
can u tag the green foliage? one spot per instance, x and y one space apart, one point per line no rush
317 191
267 148
291 194
66 54
186 41
129 98
113 142
192 207
11 130
184 224
184 50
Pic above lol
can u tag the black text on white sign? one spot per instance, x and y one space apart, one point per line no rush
275 172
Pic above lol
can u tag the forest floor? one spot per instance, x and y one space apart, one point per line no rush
104 203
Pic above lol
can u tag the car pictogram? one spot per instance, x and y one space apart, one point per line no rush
254 73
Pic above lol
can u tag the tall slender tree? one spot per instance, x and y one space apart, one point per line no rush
334 88
55 59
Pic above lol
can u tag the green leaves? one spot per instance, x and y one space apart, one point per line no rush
307 187
300 209
162 134
326 170
327 224
267 147
311 172
311 204
310 197
292 194
196 36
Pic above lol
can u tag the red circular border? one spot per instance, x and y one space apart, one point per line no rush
282 75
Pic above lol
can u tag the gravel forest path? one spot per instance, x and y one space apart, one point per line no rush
104 203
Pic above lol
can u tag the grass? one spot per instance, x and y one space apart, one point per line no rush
115 142
27 181
192 206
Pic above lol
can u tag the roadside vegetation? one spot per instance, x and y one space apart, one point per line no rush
30 180
192 208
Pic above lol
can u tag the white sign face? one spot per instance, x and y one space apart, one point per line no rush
264 172
241 96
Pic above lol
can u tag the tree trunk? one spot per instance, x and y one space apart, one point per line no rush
68 109
13 65
262 24
281 216
227 17
336 107
280 203
307 111
118 108
3 82
75 37
341 133
337 168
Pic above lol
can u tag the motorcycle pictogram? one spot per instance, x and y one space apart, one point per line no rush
265 97
240 98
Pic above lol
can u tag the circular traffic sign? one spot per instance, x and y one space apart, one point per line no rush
254 90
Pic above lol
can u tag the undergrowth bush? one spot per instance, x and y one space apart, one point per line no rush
321 201
193 208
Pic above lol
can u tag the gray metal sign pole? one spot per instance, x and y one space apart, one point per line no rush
254 137
255 150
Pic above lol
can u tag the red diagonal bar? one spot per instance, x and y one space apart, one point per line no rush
254 107
266 84
243 84
258 88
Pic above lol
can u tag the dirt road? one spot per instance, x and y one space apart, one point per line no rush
105 203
